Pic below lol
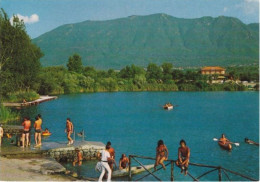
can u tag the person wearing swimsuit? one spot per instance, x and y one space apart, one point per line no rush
124 162
161 154
112 153
78 159
38 129
69 130
1 134
26 130
183 157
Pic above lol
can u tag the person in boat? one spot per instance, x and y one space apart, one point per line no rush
183 157
38 130
105 157
1 134
223 139
251 142
69 130
78 159
46 130
112 153
161 154
26 131
124 162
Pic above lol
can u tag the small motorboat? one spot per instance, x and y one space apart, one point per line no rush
168 106
134 170
226 146
44 133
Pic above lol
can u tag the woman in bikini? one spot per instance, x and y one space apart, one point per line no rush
124 162
161 154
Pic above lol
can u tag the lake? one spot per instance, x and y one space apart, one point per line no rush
135 121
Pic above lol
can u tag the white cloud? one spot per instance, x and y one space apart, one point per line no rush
225 9
26 19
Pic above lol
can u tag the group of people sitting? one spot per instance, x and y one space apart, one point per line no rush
107 159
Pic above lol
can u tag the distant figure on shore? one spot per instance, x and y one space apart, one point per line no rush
24 101
69 130
105 157
124 162
78 159
183 157
251 142
38 129
223 139
1 134
26 131
161 154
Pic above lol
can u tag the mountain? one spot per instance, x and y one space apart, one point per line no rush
154 38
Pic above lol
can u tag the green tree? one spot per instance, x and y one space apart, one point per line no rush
167 72
75 63
19 58
153 72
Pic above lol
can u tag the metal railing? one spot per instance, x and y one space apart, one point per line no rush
220 170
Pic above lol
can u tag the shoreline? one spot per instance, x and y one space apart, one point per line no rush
32 169
43 98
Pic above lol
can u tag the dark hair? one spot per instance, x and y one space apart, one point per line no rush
68 119
182 141
222 135
107 146
160 142
109 143
36 117
39 116
246 139
122 156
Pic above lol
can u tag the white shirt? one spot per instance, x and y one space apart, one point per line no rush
104 155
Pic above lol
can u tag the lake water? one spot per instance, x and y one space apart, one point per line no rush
135 121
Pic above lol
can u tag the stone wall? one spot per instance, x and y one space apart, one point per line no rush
68 154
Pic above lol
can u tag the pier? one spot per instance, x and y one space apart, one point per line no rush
43 98
60 151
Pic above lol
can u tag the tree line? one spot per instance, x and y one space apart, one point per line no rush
77 78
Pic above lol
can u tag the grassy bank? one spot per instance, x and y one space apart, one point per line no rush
19 97
7 115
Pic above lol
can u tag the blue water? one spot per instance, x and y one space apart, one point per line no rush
135 121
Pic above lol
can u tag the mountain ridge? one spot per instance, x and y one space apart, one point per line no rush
153 38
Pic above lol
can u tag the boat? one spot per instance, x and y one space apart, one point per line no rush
46 133
226 146
168 107
134 170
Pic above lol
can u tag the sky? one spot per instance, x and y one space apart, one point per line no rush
41 16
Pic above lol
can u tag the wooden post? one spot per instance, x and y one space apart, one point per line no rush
219 174
172 171
129 170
